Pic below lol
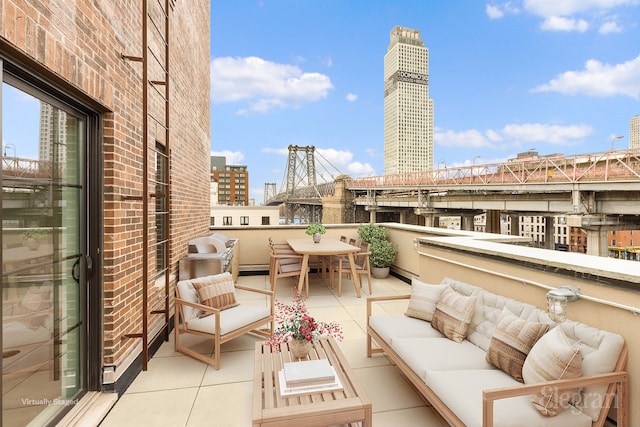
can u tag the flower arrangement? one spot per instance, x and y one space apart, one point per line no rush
315 228
293 322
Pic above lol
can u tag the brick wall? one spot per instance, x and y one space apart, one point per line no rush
81 42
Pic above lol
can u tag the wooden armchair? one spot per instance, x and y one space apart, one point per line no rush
193 316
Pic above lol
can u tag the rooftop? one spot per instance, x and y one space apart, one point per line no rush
178 390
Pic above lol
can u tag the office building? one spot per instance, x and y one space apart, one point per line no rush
408 110
634 132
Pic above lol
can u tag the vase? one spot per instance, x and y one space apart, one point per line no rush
300 348
380 272
316 237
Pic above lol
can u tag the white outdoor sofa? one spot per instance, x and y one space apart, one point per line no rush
468 390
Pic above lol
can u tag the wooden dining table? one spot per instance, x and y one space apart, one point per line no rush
326 247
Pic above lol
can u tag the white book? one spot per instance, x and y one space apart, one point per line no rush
309 372
318 388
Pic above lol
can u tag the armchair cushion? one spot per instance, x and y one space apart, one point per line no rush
552 358
231 319
34 305
453 314
217 291
512 340
424 298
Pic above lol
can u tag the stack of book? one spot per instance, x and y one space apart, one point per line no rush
308 376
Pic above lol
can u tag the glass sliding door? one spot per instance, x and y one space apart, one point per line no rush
43 236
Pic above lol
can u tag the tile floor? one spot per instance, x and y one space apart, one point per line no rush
177 390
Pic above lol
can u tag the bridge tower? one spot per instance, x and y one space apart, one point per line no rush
269 191
301 172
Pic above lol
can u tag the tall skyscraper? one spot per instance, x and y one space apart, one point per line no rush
408 110
634 132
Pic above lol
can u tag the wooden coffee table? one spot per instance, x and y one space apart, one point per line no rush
349 405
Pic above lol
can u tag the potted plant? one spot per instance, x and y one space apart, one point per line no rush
33 236
316 230
382 251
295 326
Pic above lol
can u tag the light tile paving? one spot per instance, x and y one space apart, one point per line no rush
177 390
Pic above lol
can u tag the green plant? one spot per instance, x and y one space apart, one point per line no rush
372 232
316 228
382 253
35 233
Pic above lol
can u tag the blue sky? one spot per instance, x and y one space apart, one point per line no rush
505 77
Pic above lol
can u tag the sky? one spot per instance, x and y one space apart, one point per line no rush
506 77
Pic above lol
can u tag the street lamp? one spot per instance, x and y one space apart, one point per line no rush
442 162
9 145
613 140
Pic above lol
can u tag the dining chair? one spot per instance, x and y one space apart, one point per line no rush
283 263
362 266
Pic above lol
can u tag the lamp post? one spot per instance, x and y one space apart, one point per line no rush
9 145
613 140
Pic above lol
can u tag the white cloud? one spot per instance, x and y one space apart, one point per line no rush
468 138
265 85
549 8
357 169
610 27
559 23
494 12
598 79
497 11
233 157
552 134
351 97
513 135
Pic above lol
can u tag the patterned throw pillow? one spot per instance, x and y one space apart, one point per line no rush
511 342
216 291
424 298
552 358
453 314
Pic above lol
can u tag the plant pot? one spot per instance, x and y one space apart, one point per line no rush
316 237
32 244
300 348
380 272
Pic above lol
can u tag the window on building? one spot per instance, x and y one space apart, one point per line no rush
213 221
244 220
265 220
226 220
162 207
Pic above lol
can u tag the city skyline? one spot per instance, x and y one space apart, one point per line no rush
505 77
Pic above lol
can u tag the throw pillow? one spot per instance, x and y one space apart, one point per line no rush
423 300
511 342
453 314
552 358
34 307
216 291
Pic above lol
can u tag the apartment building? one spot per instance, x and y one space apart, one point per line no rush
233 182
106 180
634 132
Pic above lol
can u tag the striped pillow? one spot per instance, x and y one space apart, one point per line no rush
453 314
511 342
424 298
552 358
216 291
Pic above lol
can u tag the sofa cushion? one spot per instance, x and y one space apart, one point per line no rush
600 351
424 298
552 358
512 340
423 354
231 319
453 314
462 390
217 291
391 327
186 291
